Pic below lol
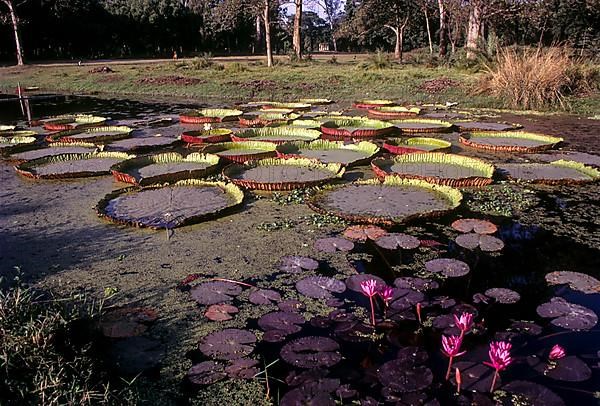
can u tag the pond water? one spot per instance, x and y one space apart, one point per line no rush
49 229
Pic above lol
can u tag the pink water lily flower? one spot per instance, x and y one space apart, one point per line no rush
500 358
464 322
451 348
369 289
386 293
557 352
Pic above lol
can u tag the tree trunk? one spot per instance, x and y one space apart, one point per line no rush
428 31
267 22
398 50
258 39
297 38
443 29
473 31
15 26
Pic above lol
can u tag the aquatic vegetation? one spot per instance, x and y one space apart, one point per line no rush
500 358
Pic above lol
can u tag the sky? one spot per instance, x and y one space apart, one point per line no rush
309 5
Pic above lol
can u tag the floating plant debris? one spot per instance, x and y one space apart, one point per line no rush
206 136
277 135
576 281
474 225
296 264
356 127
215 292
422 125
95 135
241 152
448 267
393 112
486 243
65 166
228 344
569 368
436 167
220 312
203 116
503 295
395 241
392 201
264 297
311 352
567 315
330 151
164 168
320 287
521 142
400 146
206 373
554 173
483 126
333 244
185 202
282 174
363 233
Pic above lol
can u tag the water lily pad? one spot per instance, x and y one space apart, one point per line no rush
519 142
475 376
503 295
395 241
320 287
228 344
402 375
290 305
353 282
220 312
409 282
535 394
568 315
448 267
554 173
287 323
264 297
297 264
243 368
333 244
311 352
486 243
576 281
274 336
214 292
404 299
206 373
363 233
569 368
474 225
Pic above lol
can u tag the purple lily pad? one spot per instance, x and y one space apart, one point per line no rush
264 297
475 376
334 302
243 368
363 232
568 315
486 243
274 336
401 375
214 292
290 305
450 268
576 281
311 352
206 373
299 396
346 392
569 368
536 394
320 287
404 299
353 331
296 264
480 298
503 295
444 302
228 344
526 327
445 322
333 244
395 241
474 225
220 312
288 323
321 322
295 378
420 284
413 354
353 282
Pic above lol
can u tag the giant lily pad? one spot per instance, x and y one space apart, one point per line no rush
423 125
209 116
277 135
311 352
56 148
568 315
509 141
142 144
356 127
436 167
400 146
320 287
241 152
163 168
10 145
486 243
482 126
228 344
448 267
71 165
392 201
282 174
206 136
95 134
393 112
214 292
576 281
372 103
185 202
330 151
286 105
555 173
269 117
577 156
72 121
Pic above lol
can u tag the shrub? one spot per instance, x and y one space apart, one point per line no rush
379 60
333 60
235 67
540 78
202 62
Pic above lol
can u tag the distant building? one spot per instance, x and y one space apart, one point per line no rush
323 47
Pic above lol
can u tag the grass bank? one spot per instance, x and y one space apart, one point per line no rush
236 80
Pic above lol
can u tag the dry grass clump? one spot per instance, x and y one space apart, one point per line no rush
538 78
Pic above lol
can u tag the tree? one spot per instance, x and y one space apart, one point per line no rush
14 19
297 37
267 22
331 8
443 28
